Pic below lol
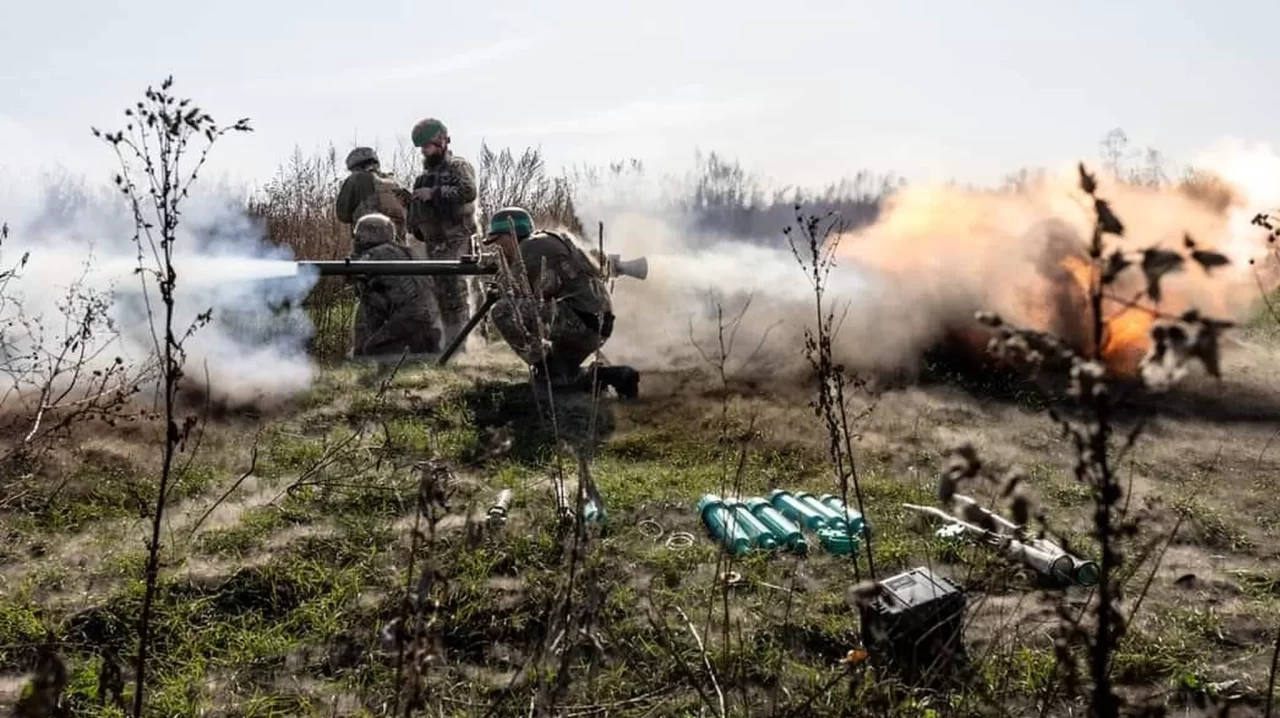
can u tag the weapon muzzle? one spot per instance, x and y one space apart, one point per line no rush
1053 565
637 268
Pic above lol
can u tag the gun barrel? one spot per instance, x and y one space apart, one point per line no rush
399 267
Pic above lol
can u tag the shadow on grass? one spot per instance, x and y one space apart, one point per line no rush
517 422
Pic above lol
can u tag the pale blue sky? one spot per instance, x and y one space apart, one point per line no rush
806 92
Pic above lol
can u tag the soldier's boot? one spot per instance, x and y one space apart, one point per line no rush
621 378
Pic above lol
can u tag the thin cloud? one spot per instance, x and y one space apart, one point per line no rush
644 116
450 65
455 64
24 149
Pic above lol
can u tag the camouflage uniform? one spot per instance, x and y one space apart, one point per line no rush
446 223
396 312
558 310
368 190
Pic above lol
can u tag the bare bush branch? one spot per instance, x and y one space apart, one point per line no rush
158 136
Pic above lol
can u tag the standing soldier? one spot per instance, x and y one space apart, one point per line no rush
368 190
442 215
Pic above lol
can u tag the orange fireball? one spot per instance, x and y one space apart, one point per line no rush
1126 335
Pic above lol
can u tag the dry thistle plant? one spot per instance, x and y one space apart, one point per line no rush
574 426
736 442
819 240
158 134
1175 342
414 634
1270 222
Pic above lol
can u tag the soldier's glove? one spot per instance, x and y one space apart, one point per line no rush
491 292
424 193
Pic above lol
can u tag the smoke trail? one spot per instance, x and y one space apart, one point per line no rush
79 287
704 288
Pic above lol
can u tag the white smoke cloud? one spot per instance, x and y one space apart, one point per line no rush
1253 168
80 253
701 282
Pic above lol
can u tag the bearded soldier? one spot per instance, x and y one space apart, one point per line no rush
442 215
555 309
367 189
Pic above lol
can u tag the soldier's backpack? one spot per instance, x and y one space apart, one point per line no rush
596 280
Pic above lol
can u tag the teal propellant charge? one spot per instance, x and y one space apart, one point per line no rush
857 522
720 520
786 532
833 517
798 511
760 534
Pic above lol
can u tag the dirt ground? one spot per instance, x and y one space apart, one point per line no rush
289 537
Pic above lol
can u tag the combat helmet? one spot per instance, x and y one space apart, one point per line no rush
360 156
511 219
427 130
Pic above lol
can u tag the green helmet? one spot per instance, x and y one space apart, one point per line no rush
511 219
427 130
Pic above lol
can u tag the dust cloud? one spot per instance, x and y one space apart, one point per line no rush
934 257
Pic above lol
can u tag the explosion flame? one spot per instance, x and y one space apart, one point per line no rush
1126 334
1022 253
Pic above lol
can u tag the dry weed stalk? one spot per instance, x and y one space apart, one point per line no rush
1176 340
158 134
735 454
819 239
1270 222
413 635
570 624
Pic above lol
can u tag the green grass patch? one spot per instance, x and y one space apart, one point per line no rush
106 487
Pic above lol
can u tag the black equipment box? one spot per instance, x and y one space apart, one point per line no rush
915 625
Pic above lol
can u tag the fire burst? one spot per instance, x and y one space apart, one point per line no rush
1062 305
1126 334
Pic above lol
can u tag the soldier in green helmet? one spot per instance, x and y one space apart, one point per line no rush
442 215
555 309
369 190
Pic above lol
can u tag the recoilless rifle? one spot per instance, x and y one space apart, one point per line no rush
470 265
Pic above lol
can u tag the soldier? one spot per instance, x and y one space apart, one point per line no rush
555 309
396 312
442 215
367 189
